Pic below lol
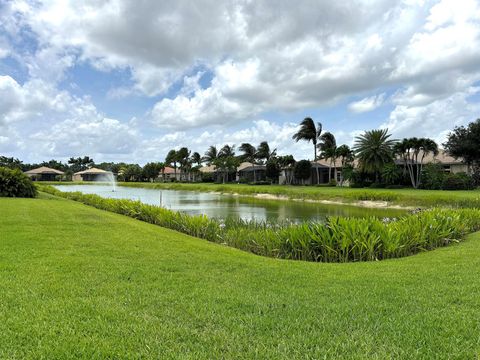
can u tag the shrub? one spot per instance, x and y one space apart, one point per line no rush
432 177
14 183
332 182
460 181
262 182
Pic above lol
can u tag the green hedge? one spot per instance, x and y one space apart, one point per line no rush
338 240
14 183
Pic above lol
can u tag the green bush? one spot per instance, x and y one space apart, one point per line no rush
14 183
460 181
432 177
339 239
332 182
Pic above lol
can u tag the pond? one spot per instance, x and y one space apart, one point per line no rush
222 205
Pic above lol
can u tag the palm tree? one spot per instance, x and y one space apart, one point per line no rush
287 162
328 148
250 155
226 160
264 153
309 132
197 159
210 155
346 155
374 149
410 150
172 158
183 158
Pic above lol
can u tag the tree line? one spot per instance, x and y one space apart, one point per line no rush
373 159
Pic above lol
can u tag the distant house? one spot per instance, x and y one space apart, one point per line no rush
448 163
248 172
93 174
168 174
44 173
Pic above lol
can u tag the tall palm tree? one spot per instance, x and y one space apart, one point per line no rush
411 150
347 156
374 149
183 155
264 153
250 155
226 151
210 155
328 148
172 159
309 132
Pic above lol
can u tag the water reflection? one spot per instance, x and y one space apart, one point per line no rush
223 206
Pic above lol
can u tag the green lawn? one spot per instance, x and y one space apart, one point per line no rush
407 197
76 282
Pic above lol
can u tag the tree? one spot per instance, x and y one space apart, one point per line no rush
287 162
210 155
272 169
413 151
328 148
346 156
464 142
183 158
151 170
249 155
196 159
302 170
309 132
373 150
264 153
11 163
131 172
172 159
80 164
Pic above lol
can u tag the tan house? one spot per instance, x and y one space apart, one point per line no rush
93 174
44 173
168 174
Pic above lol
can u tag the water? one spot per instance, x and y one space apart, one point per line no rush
222 206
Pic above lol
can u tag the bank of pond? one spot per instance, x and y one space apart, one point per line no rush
333 239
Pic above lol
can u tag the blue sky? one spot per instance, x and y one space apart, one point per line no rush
127 81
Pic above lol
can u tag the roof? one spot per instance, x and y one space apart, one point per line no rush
253 168
93 171
208 169
168 170
244 165
44 170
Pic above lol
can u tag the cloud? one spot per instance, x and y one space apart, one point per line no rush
435 119
367 104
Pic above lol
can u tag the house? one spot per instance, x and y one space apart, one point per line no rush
93 174
248 172
44 173
169 174
449 164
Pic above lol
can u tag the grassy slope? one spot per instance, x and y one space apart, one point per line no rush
79 282
409 197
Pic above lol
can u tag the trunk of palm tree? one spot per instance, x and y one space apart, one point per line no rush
315 161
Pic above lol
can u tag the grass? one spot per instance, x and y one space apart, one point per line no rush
405 197
77 282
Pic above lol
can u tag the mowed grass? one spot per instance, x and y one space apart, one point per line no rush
77 282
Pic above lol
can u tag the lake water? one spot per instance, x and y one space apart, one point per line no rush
222 206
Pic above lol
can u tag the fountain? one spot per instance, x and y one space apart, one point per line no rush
110 178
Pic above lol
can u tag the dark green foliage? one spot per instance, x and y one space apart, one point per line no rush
460 181
432 176
338 240
302 170
14 183
272 170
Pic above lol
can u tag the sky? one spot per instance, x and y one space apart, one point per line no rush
128 80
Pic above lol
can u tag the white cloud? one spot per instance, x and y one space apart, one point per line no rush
367 104
435 119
